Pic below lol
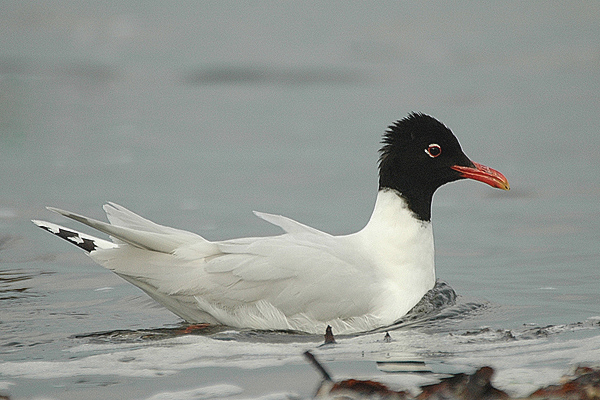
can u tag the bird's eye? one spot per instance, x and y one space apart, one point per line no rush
433 150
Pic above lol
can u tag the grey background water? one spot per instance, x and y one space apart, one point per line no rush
193 114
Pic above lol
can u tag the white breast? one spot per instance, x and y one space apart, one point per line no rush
402 251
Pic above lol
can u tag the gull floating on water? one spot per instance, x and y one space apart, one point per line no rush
304 279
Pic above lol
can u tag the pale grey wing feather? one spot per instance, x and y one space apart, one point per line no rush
243 282
121 216
155 237
288 224
289 272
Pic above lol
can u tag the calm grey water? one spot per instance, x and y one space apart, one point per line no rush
193 114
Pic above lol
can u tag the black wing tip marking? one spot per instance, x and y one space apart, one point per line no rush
86 244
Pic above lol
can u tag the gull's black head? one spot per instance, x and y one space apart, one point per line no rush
419 155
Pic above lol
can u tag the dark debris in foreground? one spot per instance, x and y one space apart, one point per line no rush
583 384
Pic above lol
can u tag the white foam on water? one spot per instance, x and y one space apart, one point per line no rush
521 364
5 385
202 393
276 396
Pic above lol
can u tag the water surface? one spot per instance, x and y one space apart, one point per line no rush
194 114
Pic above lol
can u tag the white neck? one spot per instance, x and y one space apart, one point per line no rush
401 248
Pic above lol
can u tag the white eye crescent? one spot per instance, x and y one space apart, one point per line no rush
433 150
